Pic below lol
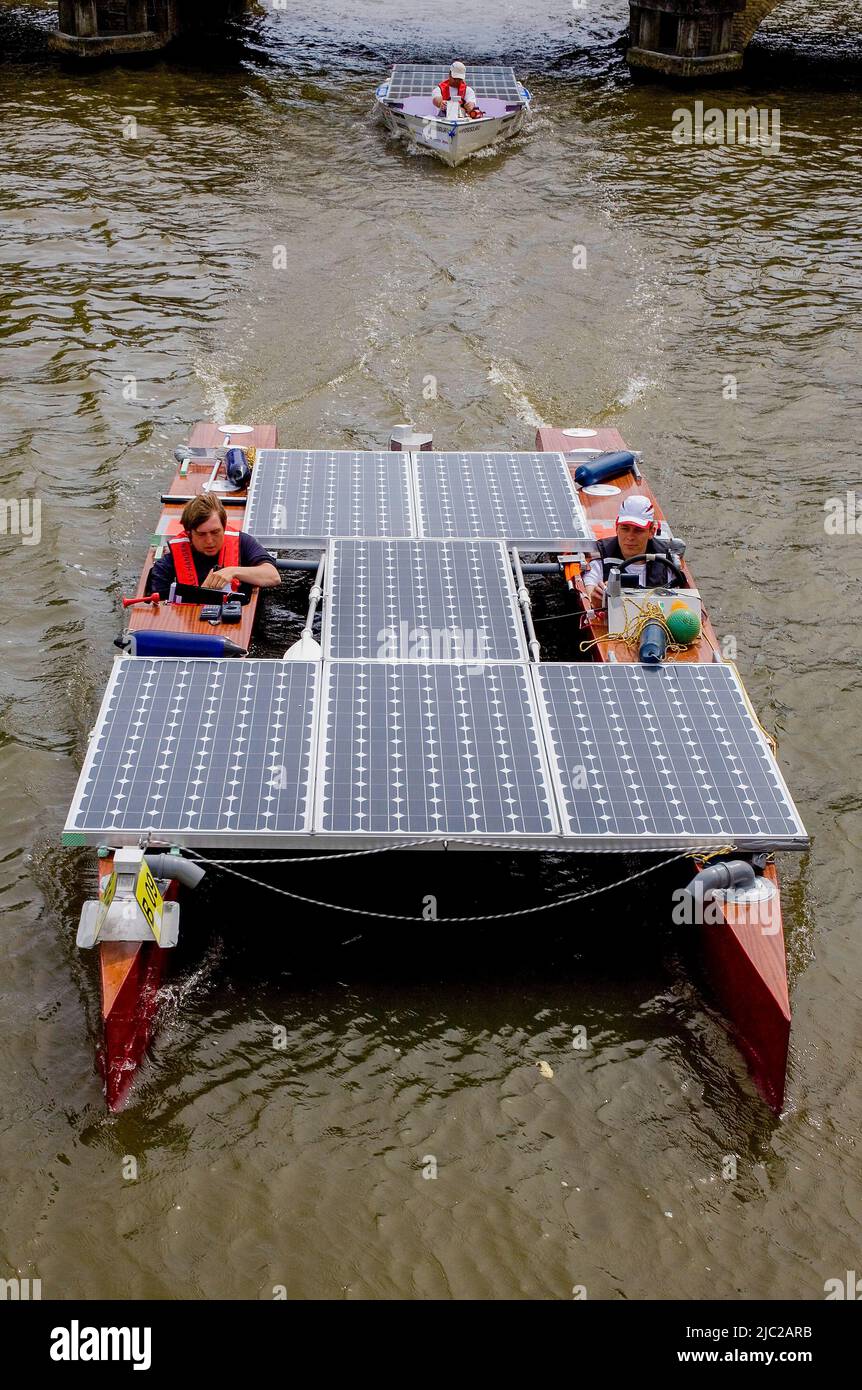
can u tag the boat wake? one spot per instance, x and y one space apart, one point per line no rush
517 398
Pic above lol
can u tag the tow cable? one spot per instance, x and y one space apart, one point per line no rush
564 901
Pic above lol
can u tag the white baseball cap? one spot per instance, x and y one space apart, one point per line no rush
458 70
636 510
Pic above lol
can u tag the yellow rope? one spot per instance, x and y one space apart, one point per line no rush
770 738
714 853
649 613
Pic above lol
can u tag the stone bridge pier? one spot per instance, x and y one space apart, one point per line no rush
693 38
96 28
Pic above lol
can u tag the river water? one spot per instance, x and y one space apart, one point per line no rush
143 209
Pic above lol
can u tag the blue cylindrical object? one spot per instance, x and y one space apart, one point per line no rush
236 467
653 647
605 467
147 643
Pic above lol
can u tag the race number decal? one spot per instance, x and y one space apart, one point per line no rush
150 900
107 899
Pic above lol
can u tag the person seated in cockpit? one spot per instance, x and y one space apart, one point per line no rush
636 534
454 88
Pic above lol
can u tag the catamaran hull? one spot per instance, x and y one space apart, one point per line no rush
130 976
453 141
743 952
746 968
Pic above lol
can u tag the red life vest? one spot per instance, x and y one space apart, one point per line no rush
181 553
445 90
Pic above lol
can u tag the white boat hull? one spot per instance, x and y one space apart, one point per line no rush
453 141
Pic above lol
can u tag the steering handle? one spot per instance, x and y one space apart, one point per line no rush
666 560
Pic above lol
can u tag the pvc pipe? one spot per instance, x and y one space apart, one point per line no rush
172 866
526 608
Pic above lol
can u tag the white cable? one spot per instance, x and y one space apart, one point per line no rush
487 917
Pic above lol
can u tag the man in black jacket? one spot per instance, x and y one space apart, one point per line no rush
636 534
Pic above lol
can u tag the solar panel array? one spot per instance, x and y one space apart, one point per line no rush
420 79
197 751
302 497
306 495
572 755
432 749
667 752
425 600
528 499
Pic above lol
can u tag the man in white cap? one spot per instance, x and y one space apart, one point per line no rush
455 88
636 534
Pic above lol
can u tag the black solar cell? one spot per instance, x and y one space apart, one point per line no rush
428 600
528 499
199 751
305 496
432 749
420 79
664 754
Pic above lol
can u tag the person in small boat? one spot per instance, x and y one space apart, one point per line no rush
209 554
636 534
455 87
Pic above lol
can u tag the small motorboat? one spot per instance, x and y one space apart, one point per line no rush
405 104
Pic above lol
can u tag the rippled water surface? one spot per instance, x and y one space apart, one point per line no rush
138 294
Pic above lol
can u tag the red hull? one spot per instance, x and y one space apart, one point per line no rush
744 956
130 974
747 970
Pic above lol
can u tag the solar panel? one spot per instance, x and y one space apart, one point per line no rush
664 756
431 749
424 600
199 752
420 79
525 498
302 496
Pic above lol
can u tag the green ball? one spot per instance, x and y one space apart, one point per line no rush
683 625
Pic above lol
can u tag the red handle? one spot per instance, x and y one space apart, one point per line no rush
147 598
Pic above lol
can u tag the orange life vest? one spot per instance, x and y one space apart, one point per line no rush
181 552
446 86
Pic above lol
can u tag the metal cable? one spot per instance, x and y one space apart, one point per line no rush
486 917
697 852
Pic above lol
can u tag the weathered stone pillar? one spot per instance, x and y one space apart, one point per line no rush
109 28
684 38
81 17
138 16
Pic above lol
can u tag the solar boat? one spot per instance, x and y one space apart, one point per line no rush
416 713
404 103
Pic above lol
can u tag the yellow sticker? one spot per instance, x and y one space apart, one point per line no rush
107 899
150 899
